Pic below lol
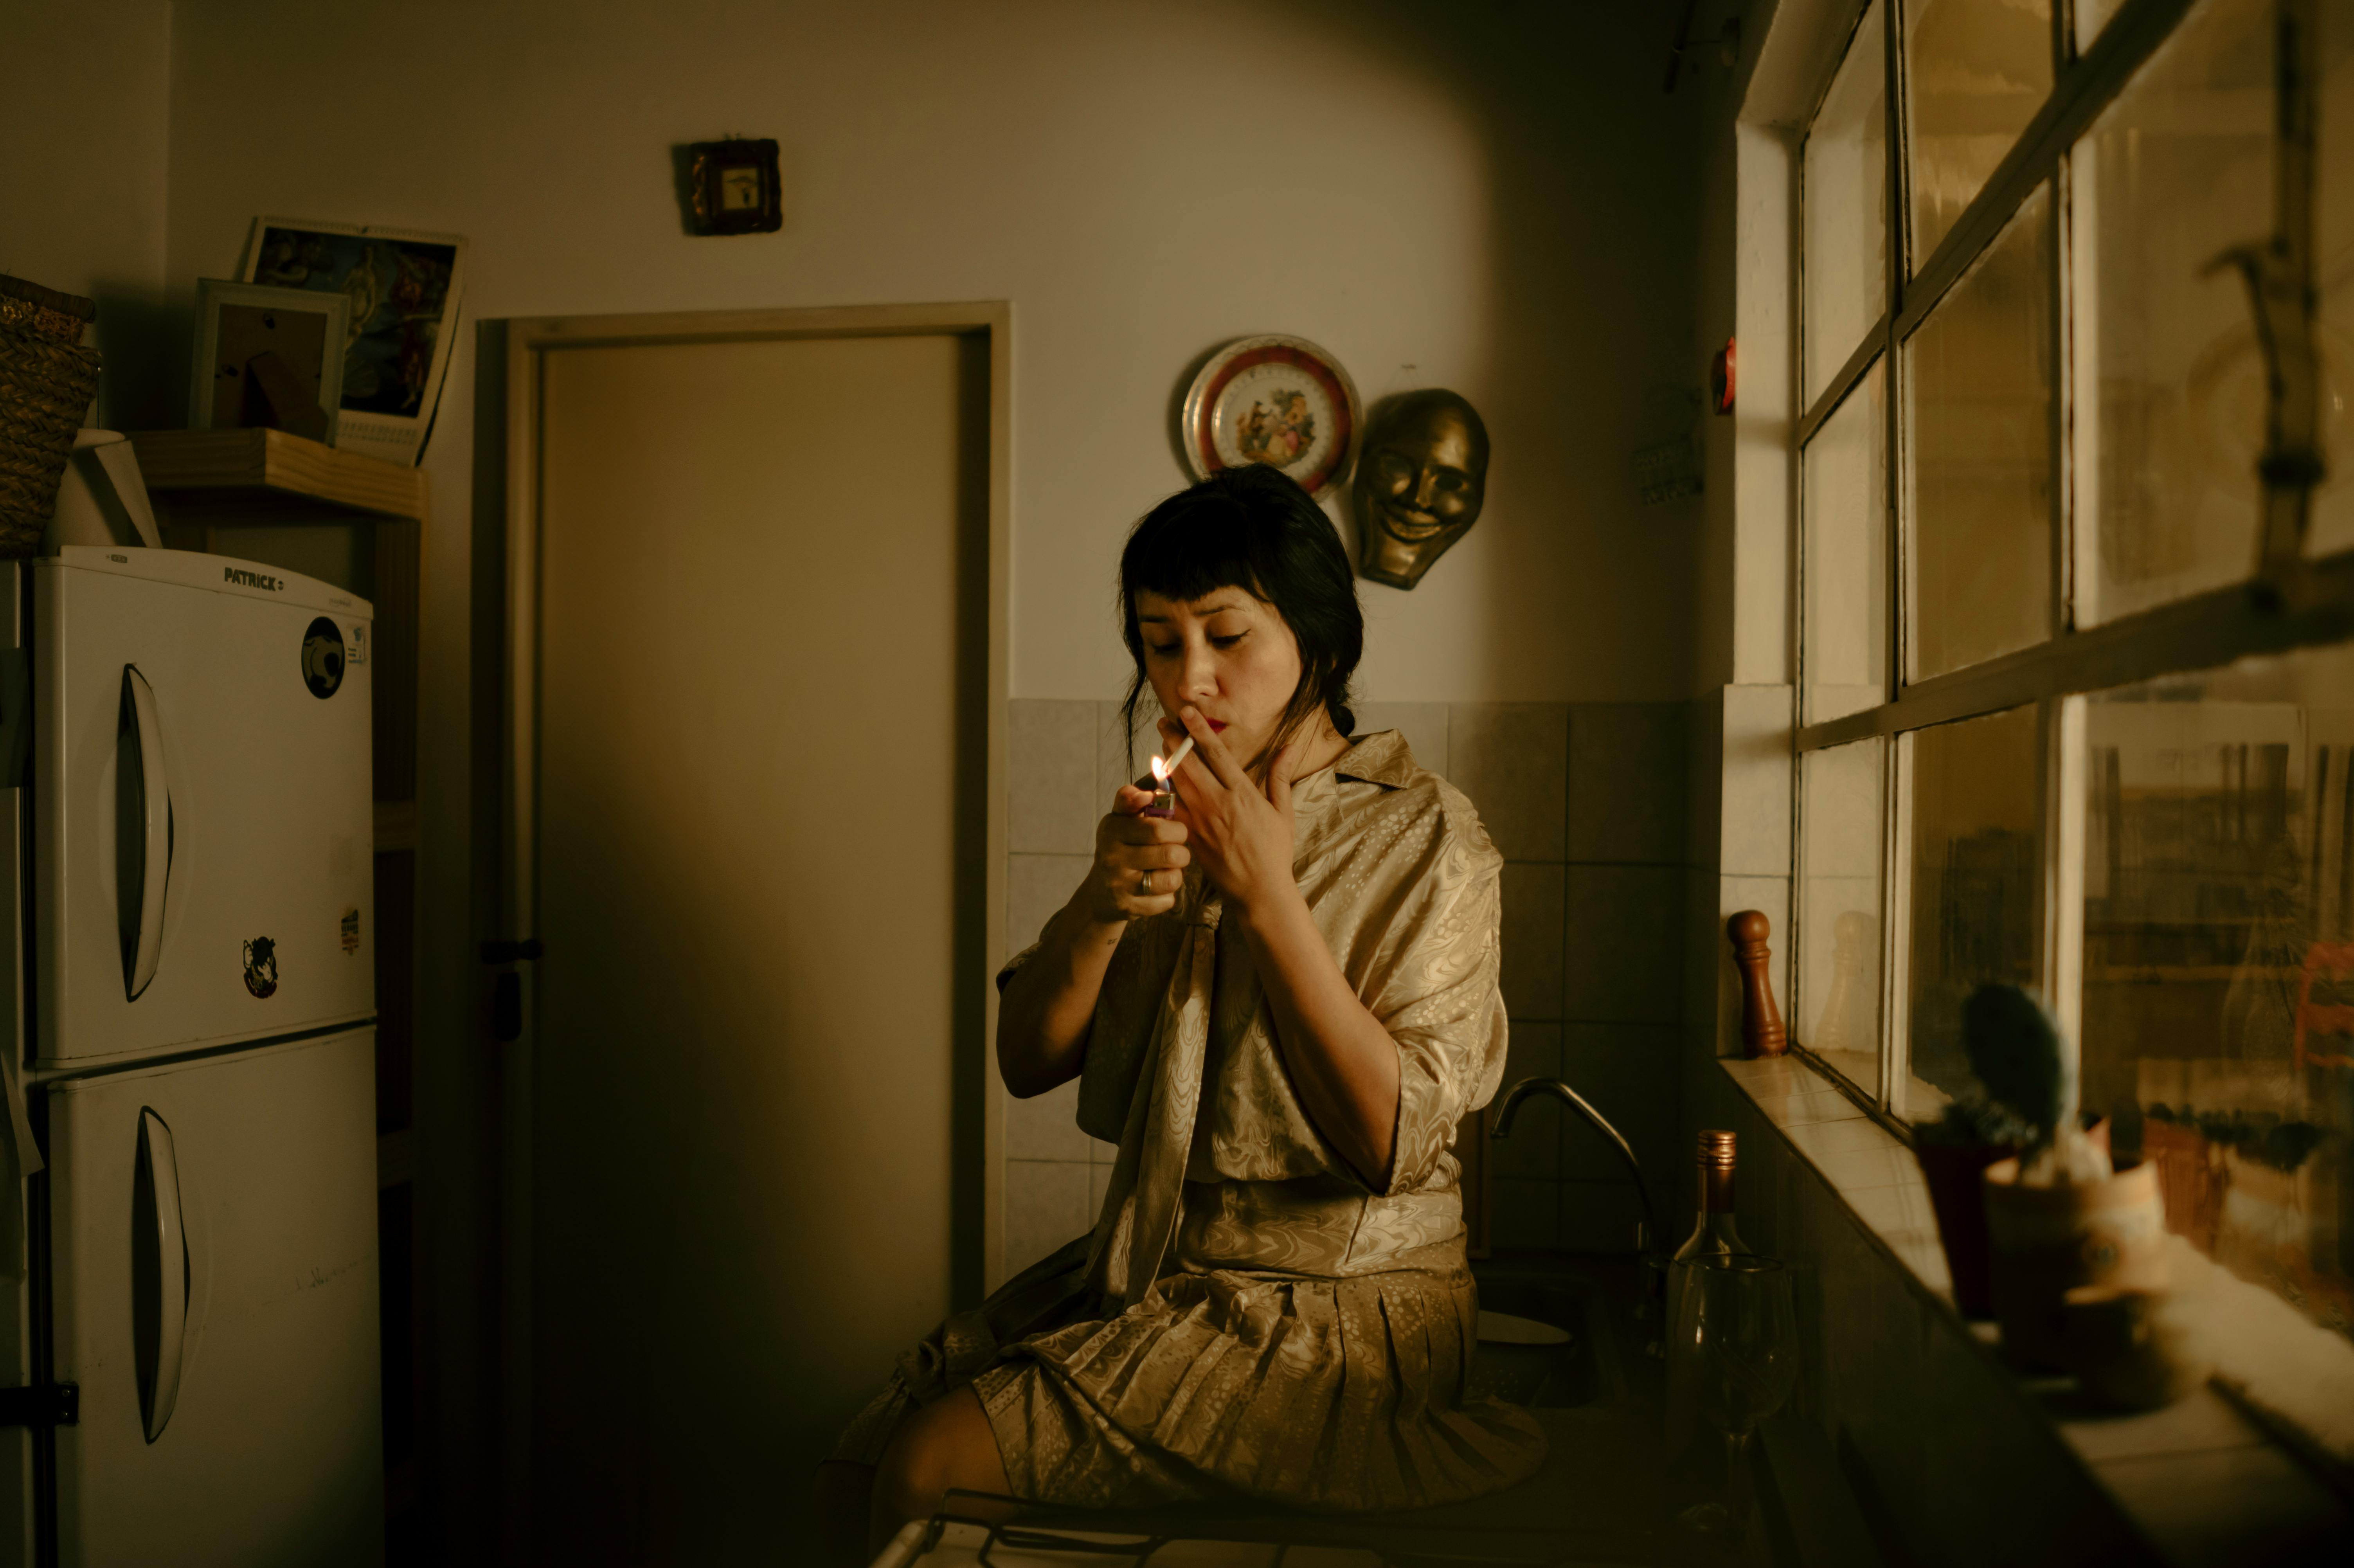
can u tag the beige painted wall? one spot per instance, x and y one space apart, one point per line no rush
85 107
1142 181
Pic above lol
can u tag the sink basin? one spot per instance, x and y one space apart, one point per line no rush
1503 1329
1540 1376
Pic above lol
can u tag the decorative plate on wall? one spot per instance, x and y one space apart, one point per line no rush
1278 400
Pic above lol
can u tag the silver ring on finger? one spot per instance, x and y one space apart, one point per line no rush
1144 886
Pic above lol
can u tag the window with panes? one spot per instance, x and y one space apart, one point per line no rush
2076 583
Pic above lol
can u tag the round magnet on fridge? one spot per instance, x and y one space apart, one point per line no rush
323 658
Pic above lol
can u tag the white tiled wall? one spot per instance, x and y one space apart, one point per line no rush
1738 824
1586 803
1586 800
1065 759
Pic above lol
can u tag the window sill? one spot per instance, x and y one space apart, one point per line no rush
2203 1482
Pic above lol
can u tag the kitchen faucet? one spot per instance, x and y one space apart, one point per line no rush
1527 1086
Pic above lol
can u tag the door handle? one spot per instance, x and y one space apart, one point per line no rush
143 819
159 1275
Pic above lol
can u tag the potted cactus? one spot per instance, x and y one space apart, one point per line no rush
2058 1218
2026 1094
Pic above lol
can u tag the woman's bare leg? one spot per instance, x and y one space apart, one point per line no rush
944 1445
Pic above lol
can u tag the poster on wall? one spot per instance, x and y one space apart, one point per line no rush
404 288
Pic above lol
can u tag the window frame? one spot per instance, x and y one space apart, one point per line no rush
2201 631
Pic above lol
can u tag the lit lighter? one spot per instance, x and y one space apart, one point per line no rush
1162 782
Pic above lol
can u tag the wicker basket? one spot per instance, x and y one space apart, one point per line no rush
44 311
46 380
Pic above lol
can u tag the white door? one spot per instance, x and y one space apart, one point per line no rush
231 1411
202 804
760 759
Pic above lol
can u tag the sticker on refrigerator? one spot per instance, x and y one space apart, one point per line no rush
261 966
355 645
351 931
323 658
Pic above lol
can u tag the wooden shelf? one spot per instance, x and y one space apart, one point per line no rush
196 477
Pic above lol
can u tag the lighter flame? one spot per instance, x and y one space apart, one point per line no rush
1160 770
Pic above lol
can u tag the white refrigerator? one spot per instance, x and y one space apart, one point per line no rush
187 860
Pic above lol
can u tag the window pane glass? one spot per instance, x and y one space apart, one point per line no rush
2333 503
2176 171
1976 883
2219 958
1980 369
2092 15
1839 909
1976 71
1846 197
1846 567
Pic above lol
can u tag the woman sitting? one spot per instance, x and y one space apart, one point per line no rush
1279 1004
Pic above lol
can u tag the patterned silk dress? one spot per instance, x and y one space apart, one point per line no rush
1248 1316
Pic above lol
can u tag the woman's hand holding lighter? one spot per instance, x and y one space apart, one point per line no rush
1139 862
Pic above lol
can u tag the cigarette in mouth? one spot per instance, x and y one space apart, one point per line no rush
1167 771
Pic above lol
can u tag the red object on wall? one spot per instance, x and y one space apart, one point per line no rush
1719 377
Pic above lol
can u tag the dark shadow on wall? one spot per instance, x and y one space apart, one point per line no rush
142 362
1593 215
461 1200
1594 218
969 1057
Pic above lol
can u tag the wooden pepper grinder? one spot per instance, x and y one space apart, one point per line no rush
1762 1034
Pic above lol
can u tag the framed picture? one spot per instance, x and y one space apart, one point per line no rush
267 356
403 289
736 187
1276 400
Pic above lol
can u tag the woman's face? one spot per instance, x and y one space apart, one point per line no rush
1227 653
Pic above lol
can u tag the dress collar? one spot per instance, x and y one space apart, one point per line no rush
1381 760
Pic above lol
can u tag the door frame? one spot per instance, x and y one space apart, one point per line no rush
976 1240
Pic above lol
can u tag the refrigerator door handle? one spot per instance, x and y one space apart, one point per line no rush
143 817
159 1274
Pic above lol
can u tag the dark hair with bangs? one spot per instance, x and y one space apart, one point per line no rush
1254 529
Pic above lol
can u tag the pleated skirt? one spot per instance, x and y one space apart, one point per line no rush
1319 1393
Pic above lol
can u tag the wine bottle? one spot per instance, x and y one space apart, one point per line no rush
1714 1234
1695 1462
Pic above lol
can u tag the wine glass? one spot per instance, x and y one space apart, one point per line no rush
1731 1361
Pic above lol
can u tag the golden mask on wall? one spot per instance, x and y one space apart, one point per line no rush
1420 482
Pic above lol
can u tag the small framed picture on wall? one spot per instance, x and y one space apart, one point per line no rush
267 357
735 187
